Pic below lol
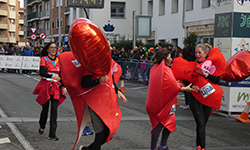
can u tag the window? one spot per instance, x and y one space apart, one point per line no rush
57 3
57 22
52 3
12 8
117 9
205 3
34 9
19 27
161 7
52 24
12 21
47 25
174 6
12 34
19 16
189 5
150 8
47 7
0 6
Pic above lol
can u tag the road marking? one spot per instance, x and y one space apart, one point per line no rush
4 140
26 145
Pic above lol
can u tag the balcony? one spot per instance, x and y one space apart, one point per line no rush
3 26
3 39
3 1
12 14
12 40
32 16
12 2
33 2
21 33
12 28
21 21
45 14
67 29
3 12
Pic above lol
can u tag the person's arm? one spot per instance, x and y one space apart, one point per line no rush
87 82
214 79
43 73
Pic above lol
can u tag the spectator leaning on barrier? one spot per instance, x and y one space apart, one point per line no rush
28 52
10 50
136 53
2 51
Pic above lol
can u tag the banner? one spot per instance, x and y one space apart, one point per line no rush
20 62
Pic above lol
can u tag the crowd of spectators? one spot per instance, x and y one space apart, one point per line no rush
29 50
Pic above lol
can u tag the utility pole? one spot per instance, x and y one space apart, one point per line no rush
51 24
59 18
133 30
25 22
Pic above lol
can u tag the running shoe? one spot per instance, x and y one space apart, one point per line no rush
166 148
53 138
41 131
198 148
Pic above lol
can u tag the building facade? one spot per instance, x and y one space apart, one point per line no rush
173 19
9 21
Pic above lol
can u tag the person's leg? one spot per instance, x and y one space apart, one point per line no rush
201 114
164 138
53 117
101 131
155 135
44 115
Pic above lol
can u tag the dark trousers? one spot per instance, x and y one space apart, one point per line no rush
53 116
201 115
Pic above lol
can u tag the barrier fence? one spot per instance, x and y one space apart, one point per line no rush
20 62
132 69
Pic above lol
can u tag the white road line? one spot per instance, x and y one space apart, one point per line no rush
4 140
26 145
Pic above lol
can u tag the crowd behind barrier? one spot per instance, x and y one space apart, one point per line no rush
134 69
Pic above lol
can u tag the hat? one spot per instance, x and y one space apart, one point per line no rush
4 42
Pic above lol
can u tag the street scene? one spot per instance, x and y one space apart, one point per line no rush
124 75
20 114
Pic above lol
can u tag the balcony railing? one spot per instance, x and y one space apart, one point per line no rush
67 29
45 14
32 16
3 12
29 2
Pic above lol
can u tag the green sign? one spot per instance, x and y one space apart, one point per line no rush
241 25
86 3
223 25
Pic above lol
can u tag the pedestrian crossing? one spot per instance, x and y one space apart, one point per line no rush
4 140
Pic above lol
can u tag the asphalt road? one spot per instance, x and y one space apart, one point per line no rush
19 113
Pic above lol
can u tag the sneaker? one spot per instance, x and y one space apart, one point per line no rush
41 131
186 107
166 148
83 148
198 148
87 131
53 138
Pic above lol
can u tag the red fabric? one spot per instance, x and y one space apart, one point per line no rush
162 92
100 98
90 46
237 67
44 90
184 70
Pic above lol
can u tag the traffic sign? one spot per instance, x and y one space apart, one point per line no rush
42 36
33 29
33 37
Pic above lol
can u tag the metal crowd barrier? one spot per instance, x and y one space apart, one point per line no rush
132 69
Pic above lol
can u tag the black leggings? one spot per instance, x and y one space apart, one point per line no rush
201 114
155 135
53 116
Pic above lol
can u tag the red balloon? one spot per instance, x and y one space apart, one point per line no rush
90 46
238 67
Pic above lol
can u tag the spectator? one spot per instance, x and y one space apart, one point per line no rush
28 52
10 50
37 50
2 51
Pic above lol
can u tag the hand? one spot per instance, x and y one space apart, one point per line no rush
187 88
120 95
64 91
180 83
103 78
56 77
196 88
200 71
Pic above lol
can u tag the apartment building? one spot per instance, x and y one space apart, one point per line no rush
9 21
173 19
21 40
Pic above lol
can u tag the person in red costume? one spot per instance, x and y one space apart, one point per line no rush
162 92
93 97
200 111
49 89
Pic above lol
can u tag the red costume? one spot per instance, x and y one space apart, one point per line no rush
162 92
215 64
47 87
100 98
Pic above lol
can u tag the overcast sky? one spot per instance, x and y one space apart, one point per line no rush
21 3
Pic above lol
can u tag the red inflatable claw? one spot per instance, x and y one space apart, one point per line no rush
90 46
237 67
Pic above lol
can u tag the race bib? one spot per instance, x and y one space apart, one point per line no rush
207 90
